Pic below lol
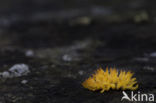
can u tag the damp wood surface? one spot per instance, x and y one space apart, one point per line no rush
63 43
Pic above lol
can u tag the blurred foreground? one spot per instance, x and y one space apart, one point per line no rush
62 42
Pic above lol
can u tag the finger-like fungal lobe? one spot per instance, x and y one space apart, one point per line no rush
110 79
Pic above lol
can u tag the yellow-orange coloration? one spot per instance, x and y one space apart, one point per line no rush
110 79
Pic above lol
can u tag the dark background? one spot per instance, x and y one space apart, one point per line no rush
64 41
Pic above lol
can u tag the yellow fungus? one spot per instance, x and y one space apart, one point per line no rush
110 79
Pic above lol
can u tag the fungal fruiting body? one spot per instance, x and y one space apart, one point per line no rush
110 79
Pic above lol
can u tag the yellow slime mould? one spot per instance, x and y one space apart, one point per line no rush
110 79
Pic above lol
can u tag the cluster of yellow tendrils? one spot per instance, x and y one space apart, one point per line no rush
110 79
